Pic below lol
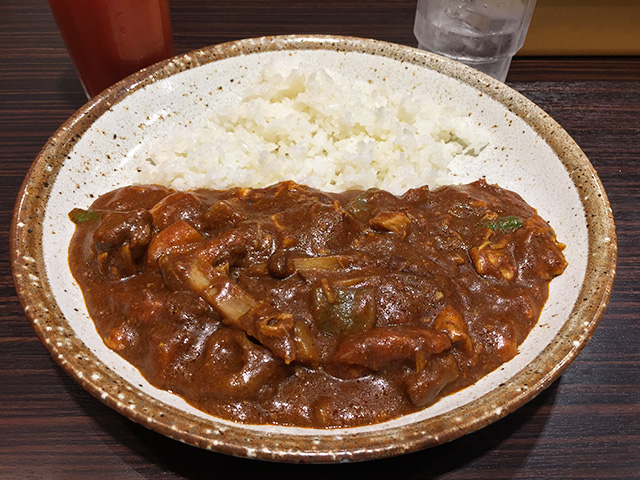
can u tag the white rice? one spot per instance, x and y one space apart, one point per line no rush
318 128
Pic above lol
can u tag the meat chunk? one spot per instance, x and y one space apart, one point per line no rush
451 322
424 387
528 252
236 368
252 240
117 228
495 259
383 347
120 239
186 206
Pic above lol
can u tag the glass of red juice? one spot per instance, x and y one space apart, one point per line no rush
110 39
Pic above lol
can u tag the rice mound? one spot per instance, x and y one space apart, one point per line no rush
318 128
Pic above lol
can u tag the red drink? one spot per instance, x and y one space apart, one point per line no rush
110 39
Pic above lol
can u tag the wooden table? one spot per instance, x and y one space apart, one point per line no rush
586 425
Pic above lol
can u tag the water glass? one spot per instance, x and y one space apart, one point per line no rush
484 34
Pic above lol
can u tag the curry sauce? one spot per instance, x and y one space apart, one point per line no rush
288 305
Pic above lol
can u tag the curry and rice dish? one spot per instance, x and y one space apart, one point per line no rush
288 305
319 301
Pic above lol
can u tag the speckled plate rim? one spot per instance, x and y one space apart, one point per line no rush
50 325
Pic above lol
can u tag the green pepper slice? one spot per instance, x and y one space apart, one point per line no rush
79 215
506 224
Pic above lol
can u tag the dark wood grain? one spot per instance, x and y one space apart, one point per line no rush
586 425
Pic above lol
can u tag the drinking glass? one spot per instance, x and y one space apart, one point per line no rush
484 34
110 39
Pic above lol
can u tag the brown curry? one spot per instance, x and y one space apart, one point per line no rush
287 305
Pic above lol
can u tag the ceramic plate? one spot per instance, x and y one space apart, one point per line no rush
105 143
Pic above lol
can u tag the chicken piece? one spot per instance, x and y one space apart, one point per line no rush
450 322
516 250
395 222
381 347
542 252
495 259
